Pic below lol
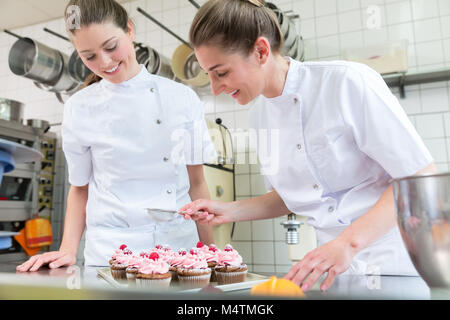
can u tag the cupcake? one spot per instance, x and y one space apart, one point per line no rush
120 264
211 254
117 253
153 273
133 266
176 261
194 271
230 268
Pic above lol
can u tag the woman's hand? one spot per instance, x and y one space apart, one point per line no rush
54 259
334 258
209 212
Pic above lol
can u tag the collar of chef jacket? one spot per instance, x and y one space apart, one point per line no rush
281 148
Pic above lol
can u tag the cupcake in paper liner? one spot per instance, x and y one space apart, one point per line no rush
229 268
211 254
133 266
175 261
194 271
153 273
119 263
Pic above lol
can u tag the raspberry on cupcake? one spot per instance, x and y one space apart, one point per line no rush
153 273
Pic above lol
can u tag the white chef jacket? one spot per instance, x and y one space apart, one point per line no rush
335 137
131 143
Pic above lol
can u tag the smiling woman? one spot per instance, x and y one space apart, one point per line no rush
117 141
114 59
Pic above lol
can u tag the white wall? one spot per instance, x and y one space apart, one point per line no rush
328 27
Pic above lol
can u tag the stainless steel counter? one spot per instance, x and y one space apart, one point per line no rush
77 282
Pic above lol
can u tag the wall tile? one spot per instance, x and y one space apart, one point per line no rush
427 30
429 53
398 12
326 25
325 7
242 231
263 252
444 7
305 8
434 100
262 230
423 9
437 148
350 21
430 126
282 254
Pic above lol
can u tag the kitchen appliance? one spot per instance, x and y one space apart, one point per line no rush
423 216
29 186
11 110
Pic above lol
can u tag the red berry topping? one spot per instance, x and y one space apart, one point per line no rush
143 255
122 246
213 249
154 256
228 247
166 247
200 244
193 251
182 252
127 251
158 246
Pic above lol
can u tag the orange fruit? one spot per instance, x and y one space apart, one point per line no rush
277 287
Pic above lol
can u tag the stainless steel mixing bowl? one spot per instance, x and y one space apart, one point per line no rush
423 213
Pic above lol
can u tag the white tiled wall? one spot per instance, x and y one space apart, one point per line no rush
328 27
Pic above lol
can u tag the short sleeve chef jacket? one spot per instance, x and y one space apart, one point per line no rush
330 143
131 143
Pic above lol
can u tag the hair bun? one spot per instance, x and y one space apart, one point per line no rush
258 3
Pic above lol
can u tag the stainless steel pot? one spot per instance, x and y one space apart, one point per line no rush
423 213
33 60
162 66
11 110
77 70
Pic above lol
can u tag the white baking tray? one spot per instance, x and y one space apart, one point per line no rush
250 280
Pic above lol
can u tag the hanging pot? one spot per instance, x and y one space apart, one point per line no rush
33 60
186 68
77 69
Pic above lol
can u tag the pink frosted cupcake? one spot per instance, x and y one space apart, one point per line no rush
175 261
120 263
230 268
211 254
153 273
194 271
133 265
117 253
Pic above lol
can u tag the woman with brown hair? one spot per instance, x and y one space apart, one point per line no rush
119 138
339 134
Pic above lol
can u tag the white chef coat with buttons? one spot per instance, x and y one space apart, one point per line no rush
131 143
330 143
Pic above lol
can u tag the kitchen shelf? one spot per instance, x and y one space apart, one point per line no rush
401 80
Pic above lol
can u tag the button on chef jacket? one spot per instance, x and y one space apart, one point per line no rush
329 144
131 143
